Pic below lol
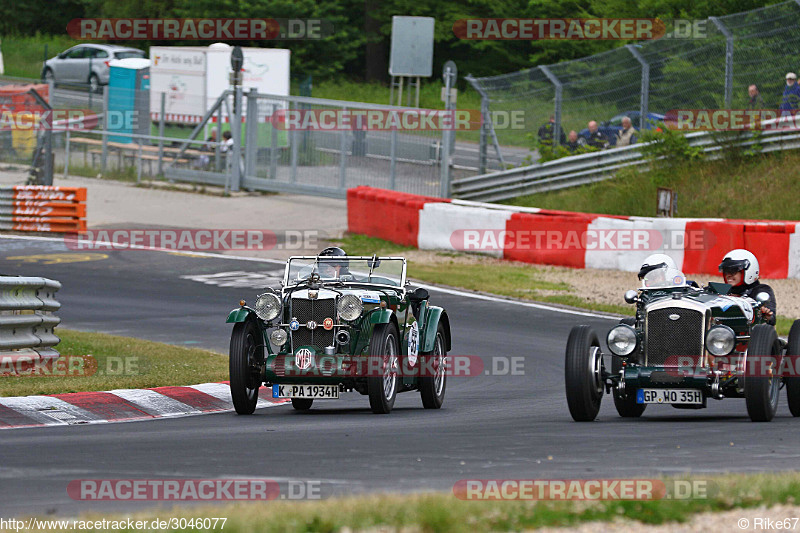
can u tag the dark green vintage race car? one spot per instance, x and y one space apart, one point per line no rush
340 324
685 345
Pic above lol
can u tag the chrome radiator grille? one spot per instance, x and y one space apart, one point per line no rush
668 338
317 310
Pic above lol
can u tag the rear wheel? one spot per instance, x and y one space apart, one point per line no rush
761 392
382 389
626 406
583 372
94 83
432 388
793 382
247 350
302 404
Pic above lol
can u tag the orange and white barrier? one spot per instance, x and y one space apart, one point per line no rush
579 240
43 208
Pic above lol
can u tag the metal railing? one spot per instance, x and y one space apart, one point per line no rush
597 166
26 317
711 69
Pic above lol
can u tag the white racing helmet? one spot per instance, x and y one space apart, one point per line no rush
655 261
740 259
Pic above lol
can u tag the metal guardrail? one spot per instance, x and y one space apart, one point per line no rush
26 317
582 169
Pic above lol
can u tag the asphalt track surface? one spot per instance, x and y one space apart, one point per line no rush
490 427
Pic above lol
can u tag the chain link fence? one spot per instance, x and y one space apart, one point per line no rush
711 70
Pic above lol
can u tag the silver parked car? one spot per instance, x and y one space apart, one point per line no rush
86 64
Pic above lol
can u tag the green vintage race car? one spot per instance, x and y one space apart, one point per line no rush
686 344
340 324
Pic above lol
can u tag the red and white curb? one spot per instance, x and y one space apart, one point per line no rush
122 405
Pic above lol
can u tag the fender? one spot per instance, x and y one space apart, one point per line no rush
433 317
239 314
379 316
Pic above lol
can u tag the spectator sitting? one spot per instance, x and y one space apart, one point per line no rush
546 133
596 139
755 101
572 141
627 135
791 93
204 159
227 141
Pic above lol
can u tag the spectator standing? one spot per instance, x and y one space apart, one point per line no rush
755 101
627 135
791 93
572 141
596 139
547 131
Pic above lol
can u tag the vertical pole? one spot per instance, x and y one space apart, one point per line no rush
236 131
104 150
293 140
139 161
66 152
343 158
393 160
418 85
218 147
161 123
273 148
557 111
644 95
728 59
483 148
444 182
251 133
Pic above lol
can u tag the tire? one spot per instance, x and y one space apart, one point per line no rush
94 83
793 382
761 393
48 76
432 388
245 350
302 404
382 389
627 406
582 374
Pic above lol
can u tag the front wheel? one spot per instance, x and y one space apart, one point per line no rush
247 347
761 392
583 374
94 83
382 389
793 382
626 406
48 76
432 388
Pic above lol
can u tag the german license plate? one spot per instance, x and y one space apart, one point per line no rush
689 396
306 391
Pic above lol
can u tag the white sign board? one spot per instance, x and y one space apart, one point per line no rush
412 47
194 77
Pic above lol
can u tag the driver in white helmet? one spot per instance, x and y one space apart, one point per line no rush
740 268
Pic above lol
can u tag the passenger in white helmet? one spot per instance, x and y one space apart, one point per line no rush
740 269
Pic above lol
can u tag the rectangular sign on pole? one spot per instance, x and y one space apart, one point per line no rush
412 47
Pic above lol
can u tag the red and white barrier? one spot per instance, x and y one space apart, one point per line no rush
580 240
43 208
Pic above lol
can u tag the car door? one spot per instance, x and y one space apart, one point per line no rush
72 65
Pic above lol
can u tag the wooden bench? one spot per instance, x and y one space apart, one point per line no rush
145 157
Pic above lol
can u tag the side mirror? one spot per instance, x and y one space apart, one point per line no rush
762 297
630 297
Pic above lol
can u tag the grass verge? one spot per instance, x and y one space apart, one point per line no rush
442 512
486 274
122 363
749 187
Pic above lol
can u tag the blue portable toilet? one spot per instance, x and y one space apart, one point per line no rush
129 98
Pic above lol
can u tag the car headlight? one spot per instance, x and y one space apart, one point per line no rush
278 337
622 340
720 340
349 307
268 306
